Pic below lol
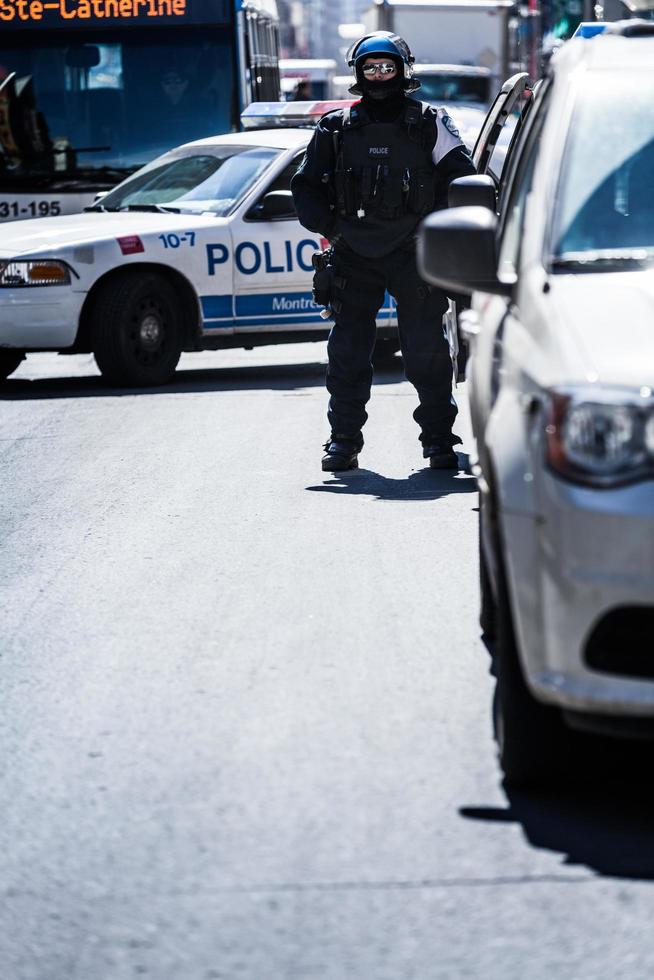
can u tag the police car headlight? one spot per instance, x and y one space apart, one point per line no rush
600 438
37 272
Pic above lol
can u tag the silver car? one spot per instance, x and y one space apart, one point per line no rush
559 256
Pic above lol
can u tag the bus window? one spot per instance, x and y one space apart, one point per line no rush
93 99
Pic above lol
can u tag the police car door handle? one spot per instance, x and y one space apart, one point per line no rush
469 324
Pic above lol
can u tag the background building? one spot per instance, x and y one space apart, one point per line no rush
309 28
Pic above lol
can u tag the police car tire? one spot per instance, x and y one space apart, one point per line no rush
136 330
9 361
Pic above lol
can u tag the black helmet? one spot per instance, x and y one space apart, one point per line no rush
380 43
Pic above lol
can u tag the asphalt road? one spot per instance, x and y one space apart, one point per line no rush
245 706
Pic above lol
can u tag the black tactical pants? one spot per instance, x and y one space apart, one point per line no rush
425 350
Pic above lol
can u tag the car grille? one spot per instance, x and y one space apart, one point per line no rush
622 643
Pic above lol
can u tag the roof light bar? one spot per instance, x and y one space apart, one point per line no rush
268 115
590 28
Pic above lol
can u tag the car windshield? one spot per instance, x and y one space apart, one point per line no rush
606 194
449 87
204 178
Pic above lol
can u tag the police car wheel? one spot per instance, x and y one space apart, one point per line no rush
9 361
137 335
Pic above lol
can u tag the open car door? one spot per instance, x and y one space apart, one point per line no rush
491 151
495 136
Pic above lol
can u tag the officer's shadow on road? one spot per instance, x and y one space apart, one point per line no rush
423 484
606 827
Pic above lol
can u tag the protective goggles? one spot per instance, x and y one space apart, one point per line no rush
384 69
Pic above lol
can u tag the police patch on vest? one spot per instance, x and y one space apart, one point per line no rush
379 151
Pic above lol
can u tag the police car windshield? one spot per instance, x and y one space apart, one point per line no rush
606 194
206 178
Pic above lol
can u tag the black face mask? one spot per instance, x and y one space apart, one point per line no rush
382 91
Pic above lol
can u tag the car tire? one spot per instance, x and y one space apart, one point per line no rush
535 747
9 361
136 330
487 606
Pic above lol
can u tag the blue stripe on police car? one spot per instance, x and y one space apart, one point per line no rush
217 307
268 309
224 311
267 303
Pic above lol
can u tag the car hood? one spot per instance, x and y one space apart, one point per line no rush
609 317
51 234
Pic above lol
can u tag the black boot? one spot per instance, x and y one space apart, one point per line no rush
439 452
341 453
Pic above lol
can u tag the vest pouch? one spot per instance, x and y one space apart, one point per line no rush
339 190
350 192
367 178
421 193
346 191
391 195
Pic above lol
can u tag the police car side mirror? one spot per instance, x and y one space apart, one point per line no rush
475 190
457 250
273 205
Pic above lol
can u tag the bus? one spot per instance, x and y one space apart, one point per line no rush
90 90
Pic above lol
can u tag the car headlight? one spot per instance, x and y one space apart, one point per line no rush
600 438
33 272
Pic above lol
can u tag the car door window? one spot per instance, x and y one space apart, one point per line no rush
512 214
519 138
282 182
501 111
499 156
499 165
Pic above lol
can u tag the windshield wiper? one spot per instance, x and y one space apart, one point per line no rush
603 260
160 208
120 172
154 208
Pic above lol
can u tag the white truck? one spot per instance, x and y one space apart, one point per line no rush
455 32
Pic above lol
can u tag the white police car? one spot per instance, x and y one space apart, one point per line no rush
200 249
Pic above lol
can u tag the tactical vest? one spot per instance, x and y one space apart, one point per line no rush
384 178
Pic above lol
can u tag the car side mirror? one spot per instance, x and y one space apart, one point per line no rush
475 190
273 205
457 251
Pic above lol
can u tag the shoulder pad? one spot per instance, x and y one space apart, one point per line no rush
444 117
355 115
341 115
416 112
334 115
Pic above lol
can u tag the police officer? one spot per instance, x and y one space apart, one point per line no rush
370 174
